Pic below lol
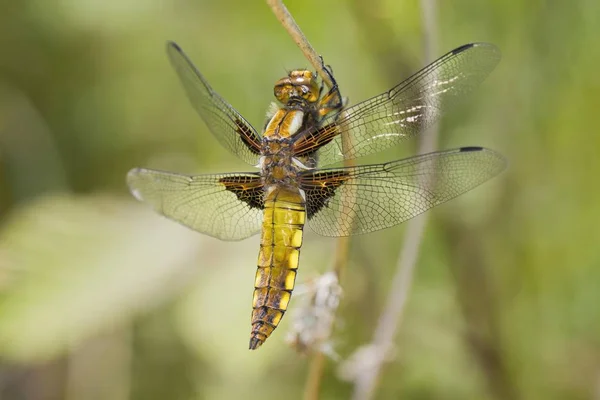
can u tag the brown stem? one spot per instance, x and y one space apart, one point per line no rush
290 25
315 376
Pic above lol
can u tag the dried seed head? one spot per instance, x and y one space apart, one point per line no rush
363 361
312 321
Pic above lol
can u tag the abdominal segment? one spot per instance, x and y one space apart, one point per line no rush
281 239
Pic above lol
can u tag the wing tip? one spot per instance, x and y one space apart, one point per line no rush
462 48
501 163
467 149
132 175
172 44
468 46
490 47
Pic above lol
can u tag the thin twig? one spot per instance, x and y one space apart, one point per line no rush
315 376
342 253
391 318
290 25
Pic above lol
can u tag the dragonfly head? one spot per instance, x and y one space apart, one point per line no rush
299 84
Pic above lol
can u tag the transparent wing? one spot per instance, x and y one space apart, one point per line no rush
225 123
402 112
227 206
354 200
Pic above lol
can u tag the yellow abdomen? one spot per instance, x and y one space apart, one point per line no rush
281 239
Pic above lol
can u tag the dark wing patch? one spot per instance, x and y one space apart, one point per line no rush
319 187
367 198
226 124
248 136
247 189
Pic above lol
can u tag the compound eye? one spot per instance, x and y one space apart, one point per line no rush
280 93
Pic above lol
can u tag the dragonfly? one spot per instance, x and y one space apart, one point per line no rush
307 128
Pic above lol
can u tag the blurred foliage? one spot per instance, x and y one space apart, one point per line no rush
102 299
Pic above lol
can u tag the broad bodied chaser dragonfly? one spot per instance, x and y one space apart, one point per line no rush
308 128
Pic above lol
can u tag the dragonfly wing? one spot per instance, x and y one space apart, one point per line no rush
402 112
355 200
225 123
226 206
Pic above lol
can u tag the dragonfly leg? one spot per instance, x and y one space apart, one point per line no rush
332 102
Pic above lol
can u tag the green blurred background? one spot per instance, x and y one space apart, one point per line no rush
102 299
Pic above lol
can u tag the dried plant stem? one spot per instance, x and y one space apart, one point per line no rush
286 19
315 375
317 364
391 318
343 243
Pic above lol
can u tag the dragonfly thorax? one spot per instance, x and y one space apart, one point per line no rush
278 166
299 85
